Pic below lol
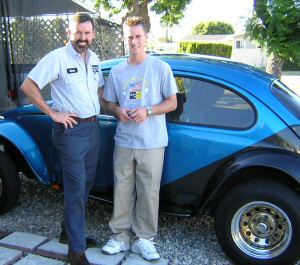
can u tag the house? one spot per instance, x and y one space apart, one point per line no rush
248 52
243 49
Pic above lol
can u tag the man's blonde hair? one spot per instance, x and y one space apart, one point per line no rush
134 21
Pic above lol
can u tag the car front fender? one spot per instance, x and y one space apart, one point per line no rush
27 147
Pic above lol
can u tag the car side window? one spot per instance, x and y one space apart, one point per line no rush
209 104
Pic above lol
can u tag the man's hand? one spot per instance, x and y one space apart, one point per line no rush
67 119
123 114
138 115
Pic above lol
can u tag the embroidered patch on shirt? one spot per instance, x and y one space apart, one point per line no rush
72 70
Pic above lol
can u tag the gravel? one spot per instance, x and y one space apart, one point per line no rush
181 240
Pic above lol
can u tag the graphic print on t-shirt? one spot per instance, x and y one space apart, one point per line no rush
134 92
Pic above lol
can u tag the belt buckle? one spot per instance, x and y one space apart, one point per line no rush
93 118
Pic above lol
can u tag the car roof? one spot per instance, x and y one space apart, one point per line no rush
248 77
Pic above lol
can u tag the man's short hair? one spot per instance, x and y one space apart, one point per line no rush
134 21
81 17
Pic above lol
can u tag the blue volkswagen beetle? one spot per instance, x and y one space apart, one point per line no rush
234 152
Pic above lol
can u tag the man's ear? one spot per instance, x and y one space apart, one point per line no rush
68 31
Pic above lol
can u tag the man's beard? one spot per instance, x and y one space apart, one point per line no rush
79 47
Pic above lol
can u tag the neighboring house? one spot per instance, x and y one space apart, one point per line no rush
243 50
247 51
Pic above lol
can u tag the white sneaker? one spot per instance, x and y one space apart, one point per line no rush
145 248
114 246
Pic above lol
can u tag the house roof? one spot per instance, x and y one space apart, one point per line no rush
28 8
209 38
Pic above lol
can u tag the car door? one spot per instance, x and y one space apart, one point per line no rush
214 119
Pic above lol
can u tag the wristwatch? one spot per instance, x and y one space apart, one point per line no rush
149 110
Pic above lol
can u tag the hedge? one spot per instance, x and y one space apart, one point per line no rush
216 49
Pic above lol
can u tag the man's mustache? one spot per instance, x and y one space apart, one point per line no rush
81 41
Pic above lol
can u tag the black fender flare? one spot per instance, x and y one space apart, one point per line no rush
286 162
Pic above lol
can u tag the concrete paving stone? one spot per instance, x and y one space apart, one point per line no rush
22 241
53 249
135 259
32 259
96 257
7 256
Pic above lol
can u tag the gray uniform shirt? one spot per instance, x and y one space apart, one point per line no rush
74 84
146 84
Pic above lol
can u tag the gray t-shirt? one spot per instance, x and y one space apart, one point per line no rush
146 84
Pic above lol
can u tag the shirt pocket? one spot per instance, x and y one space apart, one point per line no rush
74 83
73 79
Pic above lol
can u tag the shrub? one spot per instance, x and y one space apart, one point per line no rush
216 49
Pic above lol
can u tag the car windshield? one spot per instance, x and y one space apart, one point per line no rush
287 97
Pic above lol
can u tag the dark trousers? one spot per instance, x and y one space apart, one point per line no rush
78 148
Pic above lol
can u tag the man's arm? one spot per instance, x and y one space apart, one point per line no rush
169 104
33 93
102 101
115 110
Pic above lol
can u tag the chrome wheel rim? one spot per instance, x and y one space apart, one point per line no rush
261 230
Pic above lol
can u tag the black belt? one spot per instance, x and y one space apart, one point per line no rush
88 119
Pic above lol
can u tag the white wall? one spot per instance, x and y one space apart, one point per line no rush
250 56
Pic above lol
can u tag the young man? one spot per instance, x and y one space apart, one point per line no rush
138 92
75 78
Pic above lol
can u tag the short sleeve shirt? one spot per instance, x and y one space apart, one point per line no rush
132 86
74 84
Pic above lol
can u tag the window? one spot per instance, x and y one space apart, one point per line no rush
239 44
209 104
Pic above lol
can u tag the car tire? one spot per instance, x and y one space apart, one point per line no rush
258 222
9 183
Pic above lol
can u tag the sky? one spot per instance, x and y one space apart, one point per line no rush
230 11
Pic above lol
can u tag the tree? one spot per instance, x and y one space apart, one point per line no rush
171 11
275 25
213 28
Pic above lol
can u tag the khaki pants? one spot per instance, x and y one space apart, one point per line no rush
137 175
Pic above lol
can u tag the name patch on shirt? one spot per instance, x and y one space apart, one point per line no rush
95 68
72 70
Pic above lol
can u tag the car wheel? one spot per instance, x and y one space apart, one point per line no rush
259 223
9 183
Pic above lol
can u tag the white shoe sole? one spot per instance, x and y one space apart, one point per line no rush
136 251
124 249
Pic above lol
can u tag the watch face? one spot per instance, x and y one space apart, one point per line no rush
149 110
